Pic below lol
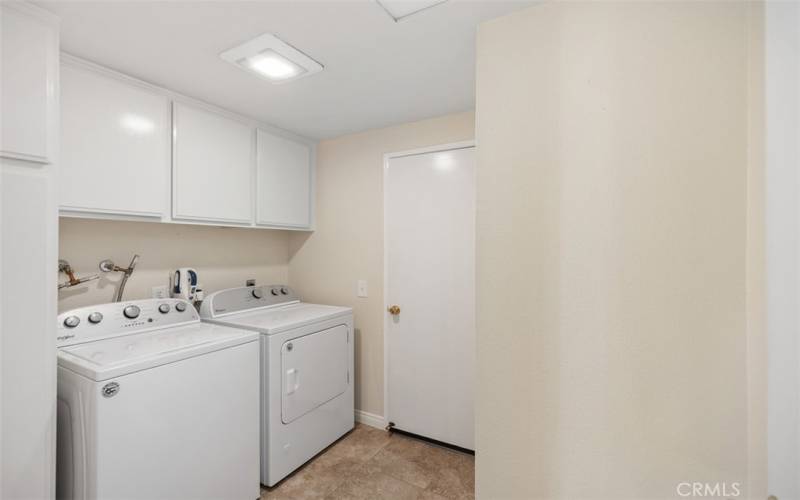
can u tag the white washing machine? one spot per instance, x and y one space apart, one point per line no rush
306 370
153 403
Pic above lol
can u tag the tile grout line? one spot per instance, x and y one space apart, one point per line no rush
427 488
389 473
372 442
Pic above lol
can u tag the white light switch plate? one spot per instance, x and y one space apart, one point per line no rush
159 292
362 288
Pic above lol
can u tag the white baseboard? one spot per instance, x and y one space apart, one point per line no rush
370 419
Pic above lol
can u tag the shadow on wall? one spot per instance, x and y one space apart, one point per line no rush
296 241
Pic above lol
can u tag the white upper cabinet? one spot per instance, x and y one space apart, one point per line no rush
115 151
134 151
284 182
213 167
28 83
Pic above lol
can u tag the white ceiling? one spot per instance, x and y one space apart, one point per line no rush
377 72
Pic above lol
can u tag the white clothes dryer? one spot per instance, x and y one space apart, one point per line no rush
306 370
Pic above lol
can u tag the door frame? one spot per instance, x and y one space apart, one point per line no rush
440 148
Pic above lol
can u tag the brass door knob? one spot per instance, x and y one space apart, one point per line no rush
394 310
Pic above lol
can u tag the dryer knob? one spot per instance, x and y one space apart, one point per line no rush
274 291
285 291
95 318
163 308
257 293
180 306
72 321
131 312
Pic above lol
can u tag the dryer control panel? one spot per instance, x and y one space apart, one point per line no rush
122 318
244 298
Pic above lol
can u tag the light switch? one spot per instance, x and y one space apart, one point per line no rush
362 288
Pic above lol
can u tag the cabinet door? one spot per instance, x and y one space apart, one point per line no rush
28 250
28 82
284 182
115 155
212 167
28 230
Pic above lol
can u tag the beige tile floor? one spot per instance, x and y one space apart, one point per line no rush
372 464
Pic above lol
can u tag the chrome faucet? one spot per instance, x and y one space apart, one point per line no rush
108 265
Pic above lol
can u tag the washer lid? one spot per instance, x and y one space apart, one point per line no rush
277 319
116 356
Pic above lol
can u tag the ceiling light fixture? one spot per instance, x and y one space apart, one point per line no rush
274 66
401 9
271 58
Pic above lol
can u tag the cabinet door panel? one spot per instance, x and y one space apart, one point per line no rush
28 355
28 249
115 155
212 167
29 75
284 182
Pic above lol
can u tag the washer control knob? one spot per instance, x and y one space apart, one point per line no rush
180 306
257 293
72 321
95 318
131 312
163 308
285 291
274 291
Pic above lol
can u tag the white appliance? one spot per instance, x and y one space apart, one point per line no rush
184 284
153 403
306 370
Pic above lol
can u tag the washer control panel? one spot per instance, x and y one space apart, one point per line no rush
122 318
246 297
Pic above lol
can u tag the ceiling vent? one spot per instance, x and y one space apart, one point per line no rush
403 9
272 59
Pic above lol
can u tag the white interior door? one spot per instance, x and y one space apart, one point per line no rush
430 276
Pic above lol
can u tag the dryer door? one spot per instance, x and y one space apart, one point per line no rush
314 371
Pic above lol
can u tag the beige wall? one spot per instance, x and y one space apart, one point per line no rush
348 242
612 242
223 257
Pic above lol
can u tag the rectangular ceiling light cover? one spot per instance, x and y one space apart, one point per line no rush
400 9
272 59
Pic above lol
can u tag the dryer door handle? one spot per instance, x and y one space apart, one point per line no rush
292 380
